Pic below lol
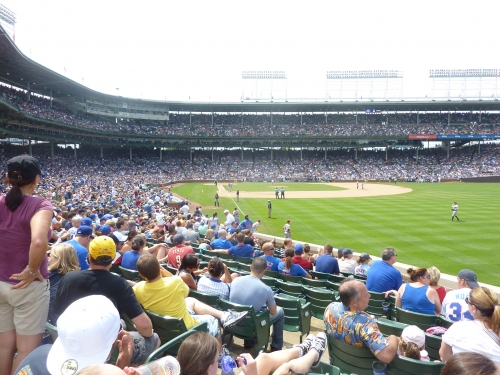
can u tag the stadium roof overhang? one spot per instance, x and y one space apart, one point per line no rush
18 70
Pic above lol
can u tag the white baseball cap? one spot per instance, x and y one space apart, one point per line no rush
87 330
415 335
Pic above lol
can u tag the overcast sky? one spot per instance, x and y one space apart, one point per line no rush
174 50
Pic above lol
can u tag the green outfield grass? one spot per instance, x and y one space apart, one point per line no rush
417 224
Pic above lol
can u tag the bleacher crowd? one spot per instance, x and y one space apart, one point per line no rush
255 125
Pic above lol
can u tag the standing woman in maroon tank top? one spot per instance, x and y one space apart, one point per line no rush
24 287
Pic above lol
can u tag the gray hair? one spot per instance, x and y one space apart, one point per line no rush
222 233
388 253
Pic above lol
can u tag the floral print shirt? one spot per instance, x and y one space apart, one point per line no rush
353 327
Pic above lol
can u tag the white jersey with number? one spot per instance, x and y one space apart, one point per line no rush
454 306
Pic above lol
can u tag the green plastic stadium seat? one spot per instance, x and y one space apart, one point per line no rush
336 279
314 283
297 314
244 260
208 299
129 274
274 274
319 299
291 279
244 267
255 326
171 347
350 359
325 368
389 327
320 275
432 345
407 366
293 289
423 321
169 328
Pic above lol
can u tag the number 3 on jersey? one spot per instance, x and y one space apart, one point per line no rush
456 313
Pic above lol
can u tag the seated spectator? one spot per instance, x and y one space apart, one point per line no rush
221 242
169 297
470 363
88 331
297 259
98 280
287 267
412 344
241 250
190 235
363 267
129 259
189 270
127 246
435 276
62 259
480 335
219 281
454 306
346 263
326 262
271 260
177 253
287 244
382 276
80 243
348 322
250 290
417 296
307 256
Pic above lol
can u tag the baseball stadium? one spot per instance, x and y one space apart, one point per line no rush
417 176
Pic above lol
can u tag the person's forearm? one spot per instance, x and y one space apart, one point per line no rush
37 252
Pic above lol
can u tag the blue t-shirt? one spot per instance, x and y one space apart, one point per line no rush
383 277
272 263
221 243
81 253
244 251
295 270
147 208
129 260
246 224
327 264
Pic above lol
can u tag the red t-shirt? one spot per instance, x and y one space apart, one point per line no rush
304 263
15 232
177 253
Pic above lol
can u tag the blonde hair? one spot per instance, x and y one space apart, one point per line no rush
67 260
434 274
486 302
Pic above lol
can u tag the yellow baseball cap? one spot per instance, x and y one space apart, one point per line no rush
102 246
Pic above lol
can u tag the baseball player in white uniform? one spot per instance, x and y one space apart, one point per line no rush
455 307
454 209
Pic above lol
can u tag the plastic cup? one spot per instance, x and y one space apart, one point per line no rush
386 306
379 368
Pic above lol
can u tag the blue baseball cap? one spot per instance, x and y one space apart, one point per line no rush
105 229
84 230
86 221
299 249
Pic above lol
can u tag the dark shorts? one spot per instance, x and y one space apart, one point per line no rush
143 346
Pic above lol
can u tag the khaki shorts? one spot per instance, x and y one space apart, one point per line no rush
24 310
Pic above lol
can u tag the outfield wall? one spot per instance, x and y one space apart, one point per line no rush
482 179
446 280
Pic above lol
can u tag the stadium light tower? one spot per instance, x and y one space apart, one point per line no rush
358 81
267 83
8 21
455 81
